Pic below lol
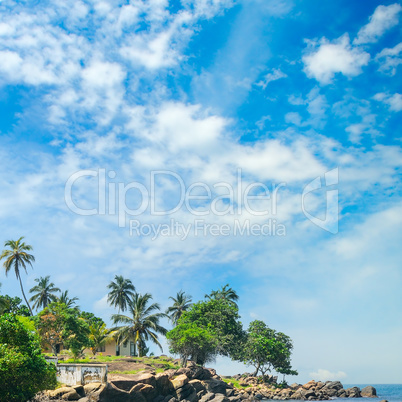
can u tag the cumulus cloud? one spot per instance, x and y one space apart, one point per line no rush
326 375
383 19
324 59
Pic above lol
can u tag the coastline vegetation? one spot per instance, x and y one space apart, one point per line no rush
201 330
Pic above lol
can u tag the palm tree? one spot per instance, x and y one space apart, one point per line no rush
69 302
44 292
142 324
99 335
181 303
120 293
17 257
226 293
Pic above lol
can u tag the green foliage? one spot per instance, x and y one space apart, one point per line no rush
190 341
267 349
142 325
13 306
226 293
98 334
17 257
23 369
43 292
69 302
236 383
58 325
121 292
181 303
220 320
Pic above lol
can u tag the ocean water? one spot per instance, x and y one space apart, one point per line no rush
389 392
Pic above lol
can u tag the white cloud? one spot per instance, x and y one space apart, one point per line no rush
324 59
326 375
389 59
383 19
276 74
393 101
293 118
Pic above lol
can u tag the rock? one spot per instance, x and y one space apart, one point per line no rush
298 394
369 392
337 385
207 397
295 386
353 392
197 384
59 392
341 393
320 384
112 393
187 392
230 392
220 398
203 374
309 385
179 381
145 378
215 386
71 396
92 387
309 394
163 385
170 373
383 400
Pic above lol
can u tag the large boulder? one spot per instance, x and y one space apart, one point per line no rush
353 392
216 386
187 393
163 384
207 397
112 393
179 381
369 392
309 385
59 392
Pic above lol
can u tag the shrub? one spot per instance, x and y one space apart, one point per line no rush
23 369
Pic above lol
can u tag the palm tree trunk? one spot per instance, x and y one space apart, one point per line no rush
26 301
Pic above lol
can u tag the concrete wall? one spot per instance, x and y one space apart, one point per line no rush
81 374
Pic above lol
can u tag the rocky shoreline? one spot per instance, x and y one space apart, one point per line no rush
195 383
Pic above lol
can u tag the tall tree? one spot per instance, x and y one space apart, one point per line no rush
143 323
43 292
267 349
226 293
70 302
220 320
121 292
17 257
181 303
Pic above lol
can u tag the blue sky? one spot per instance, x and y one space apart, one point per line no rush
276 92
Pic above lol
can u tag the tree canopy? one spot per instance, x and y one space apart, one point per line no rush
266 349
217 318
23 369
